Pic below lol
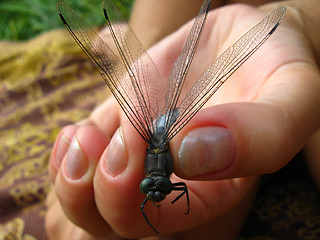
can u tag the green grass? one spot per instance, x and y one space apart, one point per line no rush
24 19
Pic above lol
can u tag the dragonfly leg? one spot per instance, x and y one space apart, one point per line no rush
145 216
156 205
181 186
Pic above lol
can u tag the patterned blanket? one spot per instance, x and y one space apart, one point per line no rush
45 83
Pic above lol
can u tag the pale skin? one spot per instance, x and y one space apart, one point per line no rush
269 107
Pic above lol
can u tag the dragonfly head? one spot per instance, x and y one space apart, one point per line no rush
156 188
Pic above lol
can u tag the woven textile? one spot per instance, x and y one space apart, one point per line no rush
45 84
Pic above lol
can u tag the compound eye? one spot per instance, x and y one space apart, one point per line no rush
156 196
164 185
146 185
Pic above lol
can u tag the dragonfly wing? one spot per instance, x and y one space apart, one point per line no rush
181 66
225 65
127 75
147 85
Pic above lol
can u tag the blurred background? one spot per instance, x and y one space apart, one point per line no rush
24 19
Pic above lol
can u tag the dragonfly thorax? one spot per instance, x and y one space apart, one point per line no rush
158 161
158 168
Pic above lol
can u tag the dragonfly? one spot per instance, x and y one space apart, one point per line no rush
156 107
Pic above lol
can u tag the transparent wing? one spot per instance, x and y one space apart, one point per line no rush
225 65
150 89
181 66
132 78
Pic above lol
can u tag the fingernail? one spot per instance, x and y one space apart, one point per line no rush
62 148
205 150
116 157
77 164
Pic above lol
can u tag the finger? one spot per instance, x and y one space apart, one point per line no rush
56 223
243 139
59 227
74 182
107 116
117 180
59 150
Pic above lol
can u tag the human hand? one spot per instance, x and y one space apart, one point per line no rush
266 113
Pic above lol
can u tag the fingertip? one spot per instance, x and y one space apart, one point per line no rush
84 152
255 138
207 148
93 141
106 116
117 184
74 182
60 149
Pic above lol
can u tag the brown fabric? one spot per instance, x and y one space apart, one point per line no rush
287 206
47 83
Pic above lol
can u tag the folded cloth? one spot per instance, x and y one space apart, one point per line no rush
45 84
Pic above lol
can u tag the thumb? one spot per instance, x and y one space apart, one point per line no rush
238 139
